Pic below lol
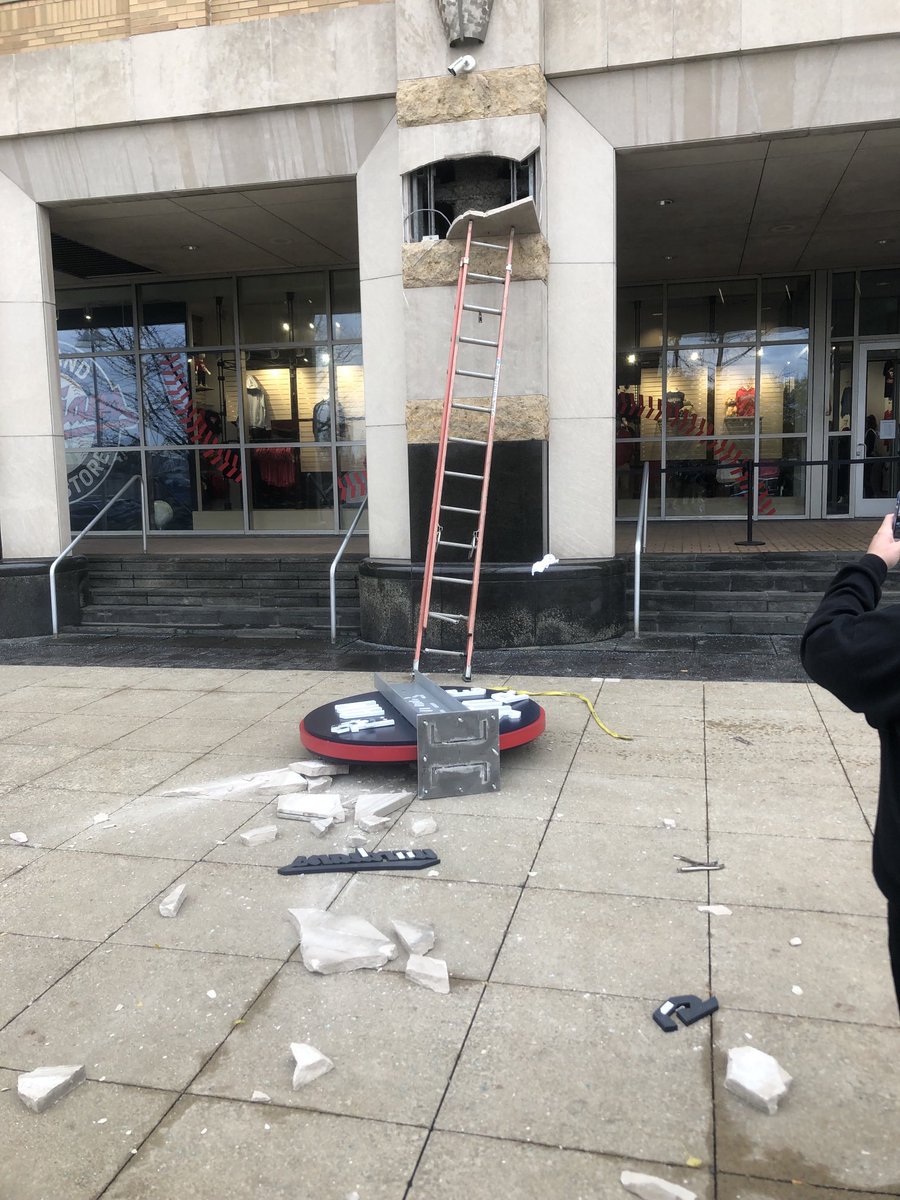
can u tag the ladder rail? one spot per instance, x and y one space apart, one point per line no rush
492 420
431 547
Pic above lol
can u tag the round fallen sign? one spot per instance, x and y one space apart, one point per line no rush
396 742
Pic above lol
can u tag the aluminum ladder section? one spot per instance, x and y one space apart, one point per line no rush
450 446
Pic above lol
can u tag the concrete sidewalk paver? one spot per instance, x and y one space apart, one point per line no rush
557 906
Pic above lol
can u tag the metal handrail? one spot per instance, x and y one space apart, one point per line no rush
640 544
334 566
87 528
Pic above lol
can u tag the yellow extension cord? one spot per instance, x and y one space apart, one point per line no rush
622 737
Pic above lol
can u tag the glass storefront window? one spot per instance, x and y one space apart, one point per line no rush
630 459
782 487
198 313
711 391
345 305
195 489
350 396
94 476
843 292
784 313
189 398
99 400
639 317
287 396
283 308
291 488
95 321
879 302
718 311
783 398
353 485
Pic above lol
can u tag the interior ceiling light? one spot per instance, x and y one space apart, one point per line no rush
883 241
786 228
632 358
668 257
664 203
188 246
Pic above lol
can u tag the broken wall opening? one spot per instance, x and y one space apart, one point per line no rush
440 191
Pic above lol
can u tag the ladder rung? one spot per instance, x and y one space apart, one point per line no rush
470 341
452 579
480 308
475 374
491 278
489 245
482 408
473 512
468 441
434 650
463 475
453 618
455 545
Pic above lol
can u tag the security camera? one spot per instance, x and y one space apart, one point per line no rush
462 66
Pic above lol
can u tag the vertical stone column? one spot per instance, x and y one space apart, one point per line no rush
581 230
379 203
34 514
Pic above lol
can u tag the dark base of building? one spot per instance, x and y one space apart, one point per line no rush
25 595
568 604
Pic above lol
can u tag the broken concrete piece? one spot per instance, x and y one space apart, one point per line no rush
311 1063
373 824
38 1089
429 972
20 839
417 937
319 783
375 805
262 833
172 903
260 1097
668 823
313 768
795 941
651 1187
301 806
357 839
321 825
330 942
756 1077
717 910
422 826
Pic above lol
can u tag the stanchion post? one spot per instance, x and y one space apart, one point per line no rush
752 485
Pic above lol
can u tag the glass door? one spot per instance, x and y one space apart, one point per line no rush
876 481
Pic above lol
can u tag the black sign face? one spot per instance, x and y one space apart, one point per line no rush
361 860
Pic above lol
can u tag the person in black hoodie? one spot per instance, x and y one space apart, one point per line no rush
851 647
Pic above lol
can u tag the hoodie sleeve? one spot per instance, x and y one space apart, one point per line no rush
852 650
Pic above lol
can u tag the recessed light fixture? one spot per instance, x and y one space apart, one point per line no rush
786 228
632 358
883 241
759 354
665 203
188 246
312 324
695 355
281 241
285 327
668 257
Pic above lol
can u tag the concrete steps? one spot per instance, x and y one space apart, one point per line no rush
286 596
736 593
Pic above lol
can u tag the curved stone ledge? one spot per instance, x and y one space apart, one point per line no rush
25 595
571 603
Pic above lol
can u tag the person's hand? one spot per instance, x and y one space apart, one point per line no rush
883 543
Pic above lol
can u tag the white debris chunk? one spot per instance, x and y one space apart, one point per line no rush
668 823
373 824
312 768
717 910
41 1087
321 825
543 563
21 839
320 783
795 941
417 937
260 1097
301 806
429 972
311 1063
651 1187
797 990
373 806
281 780
172 903
357 839
424 825
330 942
99 818
262 833
756 1077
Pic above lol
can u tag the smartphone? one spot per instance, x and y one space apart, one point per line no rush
897 519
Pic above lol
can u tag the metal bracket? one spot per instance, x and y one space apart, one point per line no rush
459 753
